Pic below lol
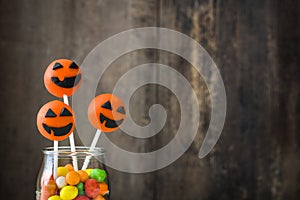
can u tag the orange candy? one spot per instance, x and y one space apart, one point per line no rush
70 167
103 188
73 178
83 175
99 197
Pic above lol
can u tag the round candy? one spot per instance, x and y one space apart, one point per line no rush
99 197
92 188
88 171
55 120
103 189
68 192
82 193
80 187
98 174
61 182
62 171
72 178
55 197
81 198
61 77
106 112
83 175
70 167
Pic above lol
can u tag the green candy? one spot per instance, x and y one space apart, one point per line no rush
82 193
98 174
80 187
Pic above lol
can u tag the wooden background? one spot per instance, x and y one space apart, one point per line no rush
254 43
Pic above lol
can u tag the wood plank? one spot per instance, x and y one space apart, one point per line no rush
254 43
243 39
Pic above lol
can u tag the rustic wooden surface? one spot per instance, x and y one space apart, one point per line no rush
254 43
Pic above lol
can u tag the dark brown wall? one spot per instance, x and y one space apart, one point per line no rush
254 43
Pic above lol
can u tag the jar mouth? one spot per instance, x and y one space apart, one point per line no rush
79 151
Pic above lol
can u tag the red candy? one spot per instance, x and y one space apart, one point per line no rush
92 188
81 198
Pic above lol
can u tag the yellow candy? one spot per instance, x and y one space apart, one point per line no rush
68 192
55 197
62 171
88 171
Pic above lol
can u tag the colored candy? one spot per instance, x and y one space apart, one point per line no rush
72 178
70 167
92 188
80 187
99 197
83 175
81 192
68 192
81 198
98 174
103 189
61 182
106 112
88 171
62 171
62 77
55 197
55 120
75 185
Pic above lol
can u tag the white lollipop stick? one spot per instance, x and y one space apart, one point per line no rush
93 145
55 148
71 138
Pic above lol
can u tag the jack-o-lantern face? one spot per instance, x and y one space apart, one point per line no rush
56 120
106 112
62 77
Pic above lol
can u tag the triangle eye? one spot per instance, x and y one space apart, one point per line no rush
107 105
121 110
65 113
57 66
74 66
50 113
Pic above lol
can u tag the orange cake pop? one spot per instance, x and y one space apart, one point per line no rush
62 77
106 112
56 120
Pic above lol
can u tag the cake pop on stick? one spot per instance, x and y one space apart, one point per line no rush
62 78
55 121
106 113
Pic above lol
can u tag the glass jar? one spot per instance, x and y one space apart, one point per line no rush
68 182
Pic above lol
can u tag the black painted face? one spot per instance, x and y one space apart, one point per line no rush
58 131
110 123
67 82
61 131
56 120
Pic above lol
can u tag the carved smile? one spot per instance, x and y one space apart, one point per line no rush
109 122
68 82
58 131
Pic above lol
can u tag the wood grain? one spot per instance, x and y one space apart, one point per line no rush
255 45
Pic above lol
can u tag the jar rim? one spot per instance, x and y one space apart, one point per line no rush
79 150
